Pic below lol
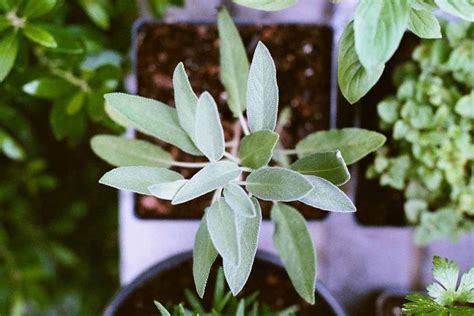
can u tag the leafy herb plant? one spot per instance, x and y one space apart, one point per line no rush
431 155
447 297
237 170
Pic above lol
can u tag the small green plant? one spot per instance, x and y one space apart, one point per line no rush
431 119
447 297
224 304
231 224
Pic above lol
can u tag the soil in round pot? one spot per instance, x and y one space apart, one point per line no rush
166 282
302 55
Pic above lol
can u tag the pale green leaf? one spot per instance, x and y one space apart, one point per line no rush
328 165
211 177
465 105
239 200
354 80
204 255
138 179
460 8
121 152
209 133
234 63
150 117
293 241
8 52
185 100
353 143
378 30
424 24
256 149
166 190
162 309
326 196
278 184
39 35
36 8
222 227
267 5
248 231
262 91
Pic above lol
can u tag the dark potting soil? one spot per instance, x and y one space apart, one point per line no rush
272 283
376 204
302 55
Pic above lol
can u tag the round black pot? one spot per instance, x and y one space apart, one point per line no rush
131 299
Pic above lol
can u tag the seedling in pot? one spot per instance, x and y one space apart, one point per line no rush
239 172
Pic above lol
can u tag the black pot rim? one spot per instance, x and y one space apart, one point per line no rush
262 255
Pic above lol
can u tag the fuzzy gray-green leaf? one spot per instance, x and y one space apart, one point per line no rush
293 242
185 100
262 91
267 5
234 63
209 178
167 190
424 24
278 184
328 165
121 152
256 149
239 200
138 179
209 133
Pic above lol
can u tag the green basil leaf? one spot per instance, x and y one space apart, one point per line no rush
247 230
138 179
48 88
278 184
211 177
185 100
121 152
209 133
293 241
239 200
354 143
262 91
256 149
424 24
354 80
328 165
222 226
267 5
97 12
150 117
36 8
378 29
39 35
8 51
234 63
423 5
460 8
326 196
4 23
204 255
167 190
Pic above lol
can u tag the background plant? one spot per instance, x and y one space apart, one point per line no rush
431 120
231 224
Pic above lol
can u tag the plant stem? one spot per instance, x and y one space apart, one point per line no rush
243 123
245 169
186 164
231 157
217 194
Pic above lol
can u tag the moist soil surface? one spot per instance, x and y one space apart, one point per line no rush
272 283
302 55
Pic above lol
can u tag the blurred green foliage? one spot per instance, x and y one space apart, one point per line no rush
58 228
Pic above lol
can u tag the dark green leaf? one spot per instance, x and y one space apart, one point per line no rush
65 125
8 52
36 8
256 149
48 88
97 12
39 35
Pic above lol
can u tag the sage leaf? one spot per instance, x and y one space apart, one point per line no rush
326 196
150 117
262 91
424 24
460 8
238 200
354 143
163 311
185 100
293 242
278 184
138 179
221 223
209 133
267 5
354 80
248 231
211 177
166 190
39 35
256 149
234 63
36 8
378 29
204 255
8 51
121 152
328 165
